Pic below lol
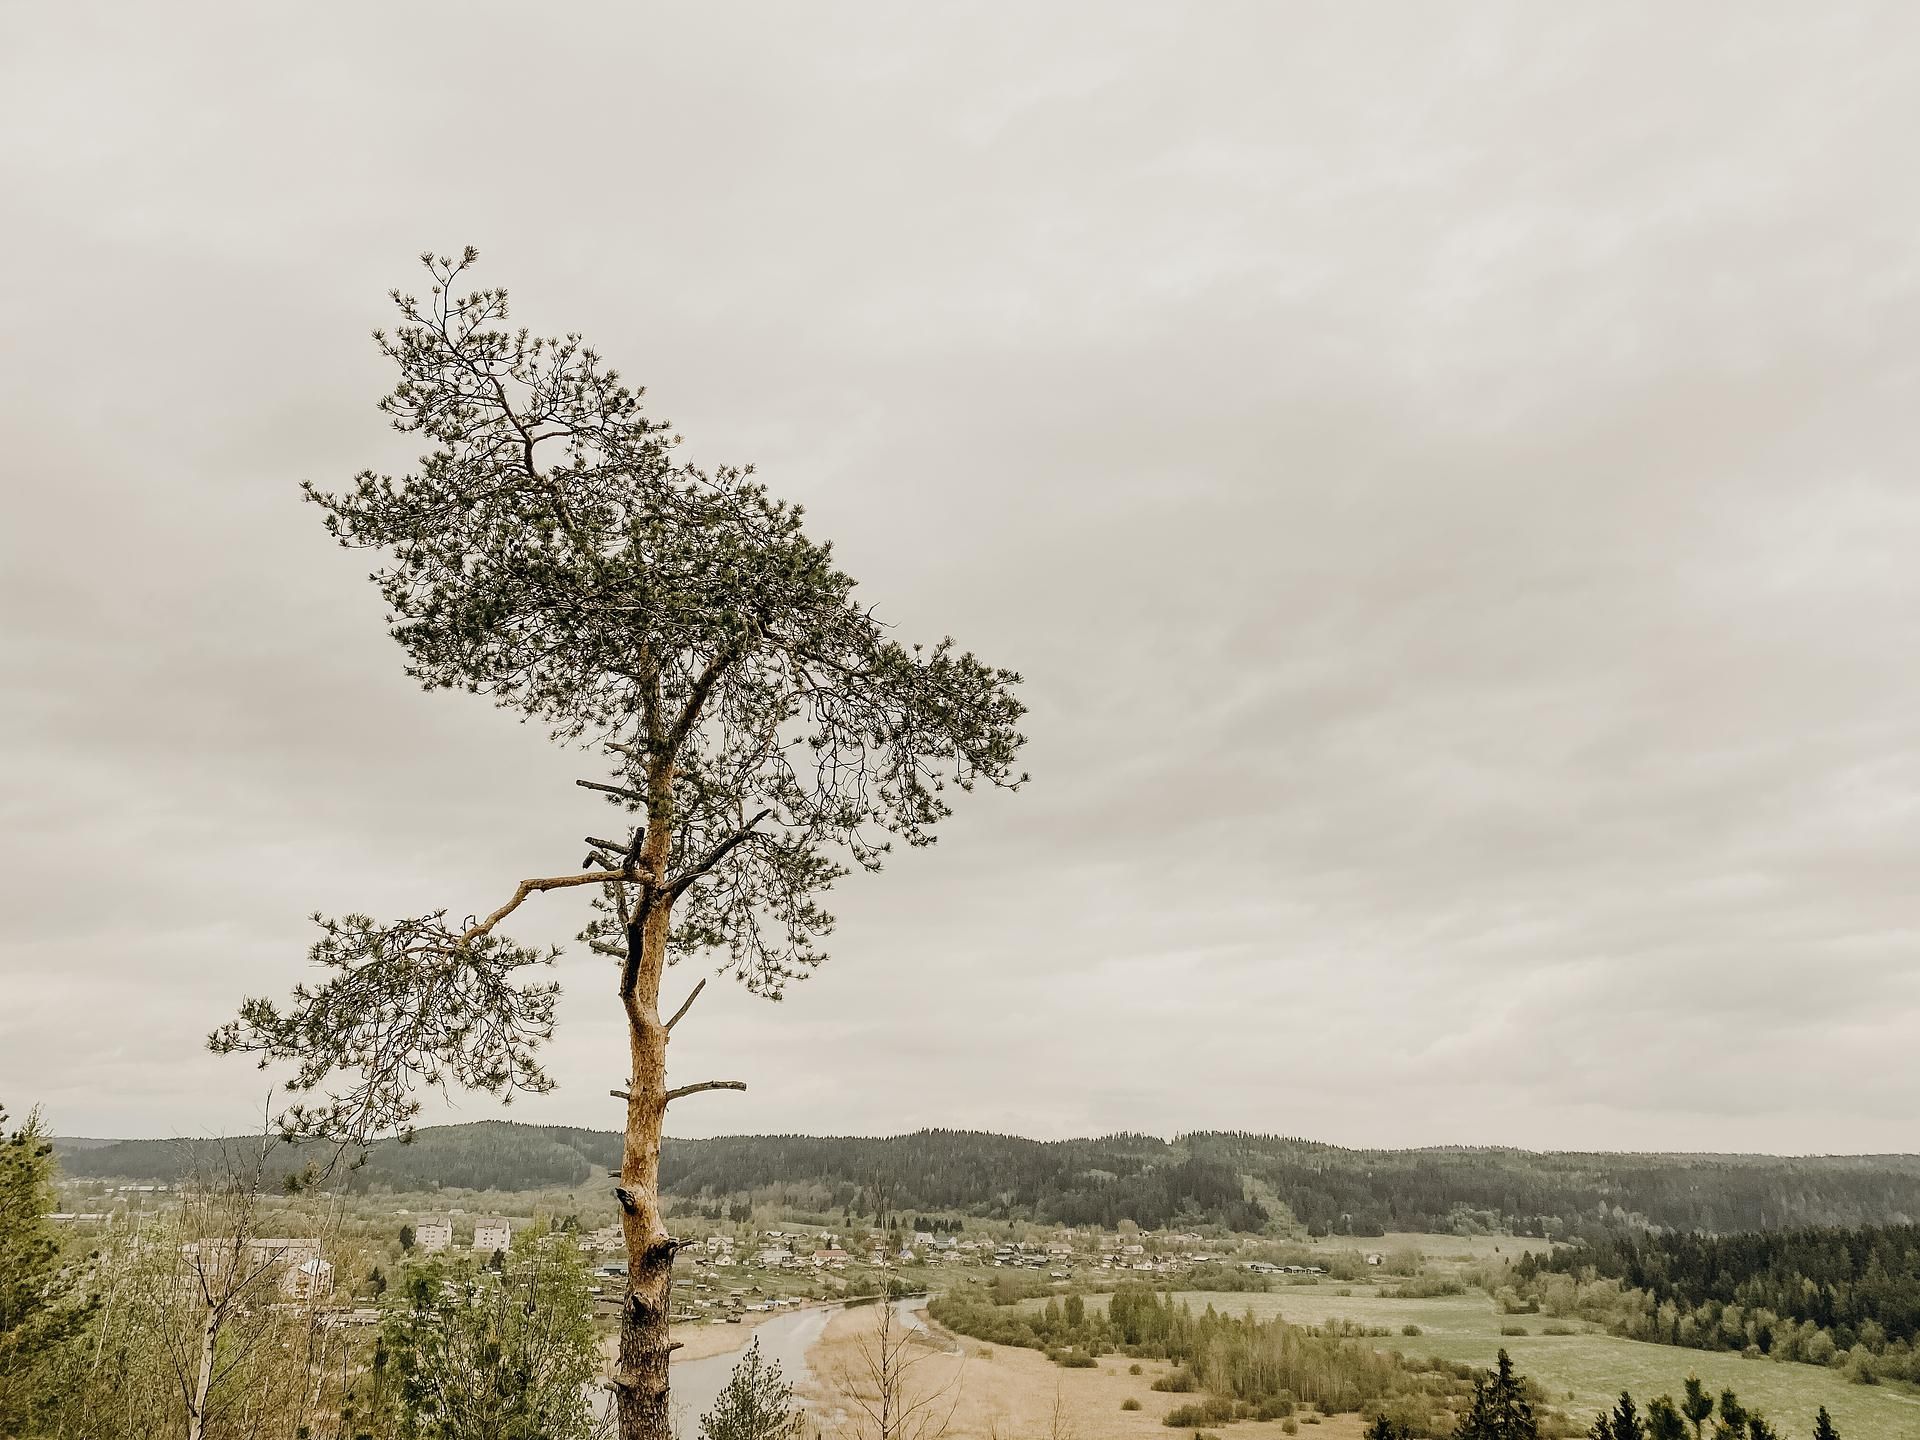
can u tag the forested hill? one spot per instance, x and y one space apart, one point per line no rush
1206 1178
1862 1285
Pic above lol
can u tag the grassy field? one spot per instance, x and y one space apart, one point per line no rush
1458 1249
998 1392
1585 1371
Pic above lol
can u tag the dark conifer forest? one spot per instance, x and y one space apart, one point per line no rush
1235 1180
1861 1284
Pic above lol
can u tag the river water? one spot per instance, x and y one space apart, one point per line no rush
785 1338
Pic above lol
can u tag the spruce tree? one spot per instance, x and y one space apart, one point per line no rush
1732 1424
755 1404
39 1309
1823 1428
1499 1409
1664 1421
1623 1423
1696 1404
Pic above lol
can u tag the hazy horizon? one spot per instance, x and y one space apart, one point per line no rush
1444 476
1168 1139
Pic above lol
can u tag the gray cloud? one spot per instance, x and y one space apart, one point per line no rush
1443 473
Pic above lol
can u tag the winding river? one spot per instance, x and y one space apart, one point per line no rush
785 1338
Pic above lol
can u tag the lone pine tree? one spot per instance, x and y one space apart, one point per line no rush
760 733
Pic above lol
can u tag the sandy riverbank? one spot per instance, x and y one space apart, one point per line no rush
1000 1390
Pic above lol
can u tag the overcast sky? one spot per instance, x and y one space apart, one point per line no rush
1447 473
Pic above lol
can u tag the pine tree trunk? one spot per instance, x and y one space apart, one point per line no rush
640 1377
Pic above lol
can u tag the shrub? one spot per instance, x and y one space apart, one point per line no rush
1074 1359
1289 1427
1410 1330
1129 1403
1134 1369
1425 1287
1211 1411
1179 1381
1557 1329
1513 1329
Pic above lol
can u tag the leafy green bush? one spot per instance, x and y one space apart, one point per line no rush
1211 1411
1425 1287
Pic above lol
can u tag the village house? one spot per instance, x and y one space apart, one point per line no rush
490 1233
305 1276
311 1279
607 1237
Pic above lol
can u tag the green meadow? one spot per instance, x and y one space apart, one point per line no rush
1584 1371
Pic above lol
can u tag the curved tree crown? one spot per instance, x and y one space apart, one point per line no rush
551 551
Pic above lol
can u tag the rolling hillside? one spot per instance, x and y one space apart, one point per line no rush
1237 1180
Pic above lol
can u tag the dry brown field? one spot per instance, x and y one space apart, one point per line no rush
1001 1393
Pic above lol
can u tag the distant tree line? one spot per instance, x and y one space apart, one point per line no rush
1847 1297
1234 1180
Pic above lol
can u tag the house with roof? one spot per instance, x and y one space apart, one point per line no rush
311 1279
433 1234
490 1233
607 1237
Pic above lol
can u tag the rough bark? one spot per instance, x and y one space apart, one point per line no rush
641 1385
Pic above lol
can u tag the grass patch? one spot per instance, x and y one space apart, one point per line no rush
1587 1370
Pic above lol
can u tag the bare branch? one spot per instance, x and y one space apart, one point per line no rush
526 888
684 1090
620 790
686 1004
717 854
696 701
